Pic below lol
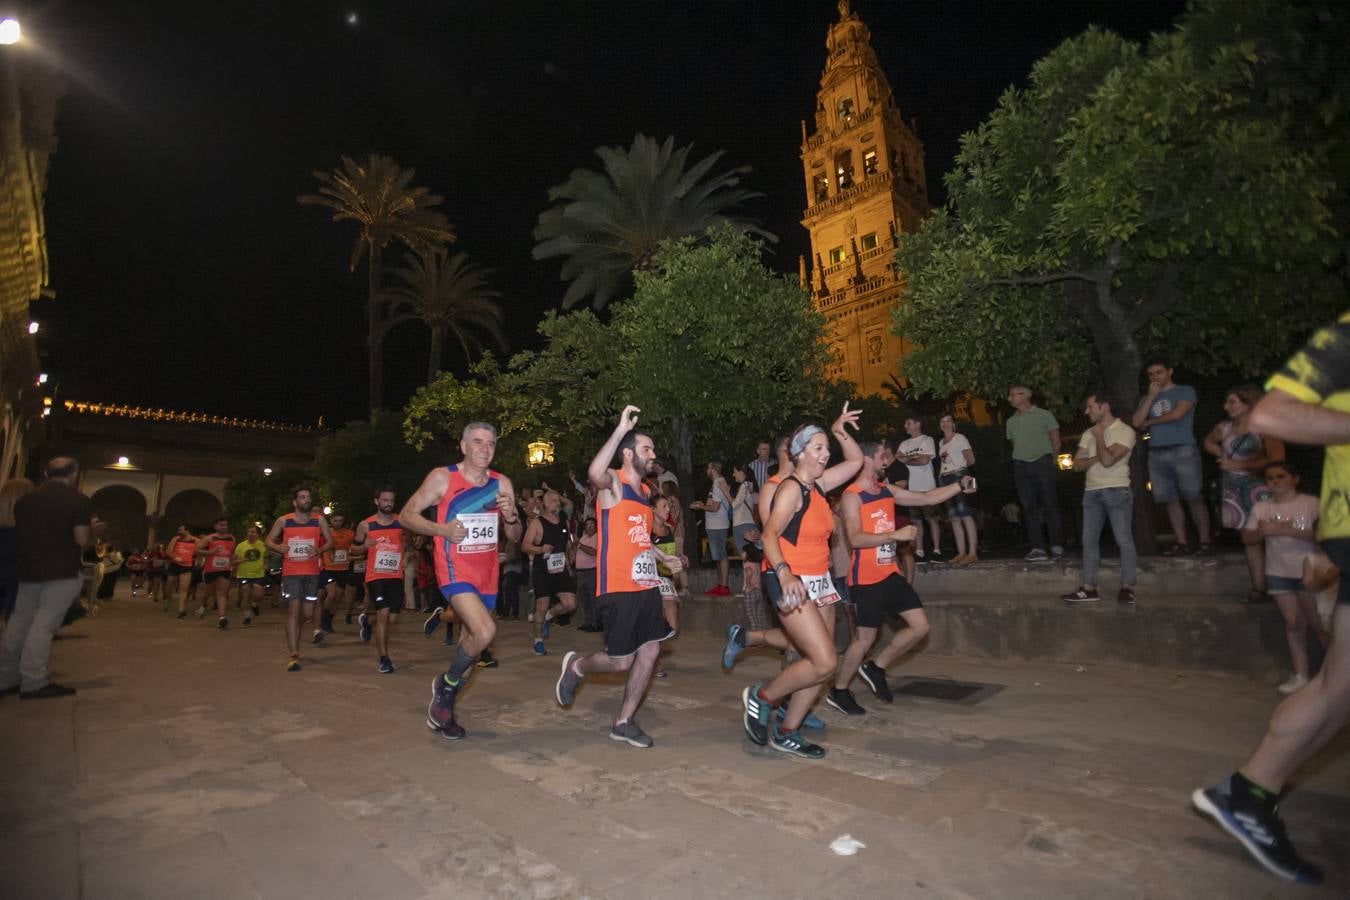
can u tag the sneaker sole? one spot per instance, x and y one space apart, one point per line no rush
871 686
1203 804
431 723
839 708
629 741
745 716
432 623
797 753
731 649
1081 599
557 685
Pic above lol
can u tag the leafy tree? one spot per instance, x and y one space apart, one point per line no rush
380 198
606 225
1128 200
353 462
452 296
252 497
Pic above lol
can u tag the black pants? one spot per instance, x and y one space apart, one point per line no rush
508 594
1036 490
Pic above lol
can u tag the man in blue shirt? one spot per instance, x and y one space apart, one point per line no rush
1168 412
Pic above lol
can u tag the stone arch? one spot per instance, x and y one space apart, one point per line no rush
122 509
193 507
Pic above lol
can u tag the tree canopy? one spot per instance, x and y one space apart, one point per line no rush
1133 200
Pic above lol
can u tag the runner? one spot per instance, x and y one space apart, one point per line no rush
157 573
1308 403
797 544
471 502
874 577
182 552
216 551
378 543
136 566
299 538
250 570
629 596
548 540
334 578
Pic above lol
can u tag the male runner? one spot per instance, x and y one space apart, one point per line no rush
250 570
135 566
378 542
334 578
875 581
548 540
182 552
156 573
299 538
471 502
627 582
1308 403
217 553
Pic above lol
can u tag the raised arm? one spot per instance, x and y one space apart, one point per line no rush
598 471
843 471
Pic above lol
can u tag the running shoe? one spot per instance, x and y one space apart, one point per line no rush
734 645
543 628
630 733
293 665
441 709
875 676
1056 553
317 638
326 623
1126 595
756 717
811 721
1037 555
366 629
540 649
1261 833
842 700
201 611
793 742
936 556
453 731
1081 595
565 689
1293 685
433 622
386 666
486 660
222 623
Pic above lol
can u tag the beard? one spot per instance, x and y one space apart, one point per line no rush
304 507
649 467
385 510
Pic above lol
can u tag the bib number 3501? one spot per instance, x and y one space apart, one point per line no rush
820 588
644 570
481 532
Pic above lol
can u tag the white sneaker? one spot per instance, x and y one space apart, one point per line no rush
530 617
1294 683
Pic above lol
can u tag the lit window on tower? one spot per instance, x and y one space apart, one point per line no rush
838 255
845 108
843 169
869 162
820 187
868 241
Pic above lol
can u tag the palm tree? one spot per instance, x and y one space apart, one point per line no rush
377 195
452 296
607 224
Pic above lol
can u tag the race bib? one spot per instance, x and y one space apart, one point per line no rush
885 554
339 556
481 531
820 588
359 567
668 590
556 563
644 570
300 548
388 562
220 563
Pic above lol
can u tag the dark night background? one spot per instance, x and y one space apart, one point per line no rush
188 276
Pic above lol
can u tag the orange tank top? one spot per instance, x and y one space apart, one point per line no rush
338 558
183 551
874 564
805 542
219 552
624 561
302 540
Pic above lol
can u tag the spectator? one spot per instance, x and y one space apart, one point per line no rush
763 465
665 476
54 522
584 563
1242 455
1035 438
742 508
957 459
1168 412
1104 454
671 491
917 452
10 492
1286 524
717 521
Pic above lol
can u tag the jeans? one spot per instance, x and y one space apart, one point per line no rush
1036 490
26 645
590 616
1117 504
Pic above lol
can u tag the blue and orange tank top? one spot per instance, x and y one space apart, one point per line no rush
302 540
473 561
219 552
384 549
624 561
874 564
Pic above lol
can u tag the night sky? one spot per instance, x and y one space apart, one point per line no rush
188 277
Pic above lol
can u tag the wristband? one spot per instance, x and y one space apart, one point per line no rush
782 565
510 521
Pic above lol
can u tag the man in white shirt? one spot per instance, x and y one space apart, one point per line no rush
1104 454
917 452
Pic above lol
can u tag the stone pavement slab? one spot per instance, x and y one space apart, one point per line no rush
192 765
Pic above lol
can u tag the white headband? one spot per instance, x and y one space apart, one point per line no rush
800 439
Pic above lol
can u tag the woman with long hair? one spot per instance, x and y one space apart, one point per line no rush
958 461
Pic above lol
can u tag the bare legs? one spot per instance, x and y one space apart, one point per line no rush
811 631
638 666
1176 516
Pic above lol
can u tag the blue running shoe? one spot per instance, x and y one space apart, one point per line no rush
433 622
385 667
811 720
540 649
734 645
1261 833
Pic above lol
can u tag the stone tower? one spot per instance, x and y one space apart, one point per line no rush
864 174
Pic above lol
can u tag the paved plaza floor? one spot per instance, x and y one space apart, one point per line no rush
191 765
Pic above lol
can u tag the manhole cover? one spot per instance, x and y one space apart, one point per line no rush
967 693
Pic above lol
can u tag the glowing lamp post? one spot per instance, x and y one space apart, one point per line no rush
9 31
539 453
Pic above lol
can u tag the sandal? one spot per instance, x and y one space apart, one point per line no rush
1177 550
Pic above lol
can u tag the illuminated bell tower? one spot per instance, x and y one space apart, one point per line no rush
864 186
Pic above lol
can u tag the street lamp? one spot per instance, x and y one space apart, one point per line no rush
539 452
9 31
33 327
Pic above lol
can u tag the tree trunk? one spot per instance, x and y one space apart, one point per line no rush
374 335
434 358
682 432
